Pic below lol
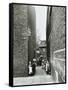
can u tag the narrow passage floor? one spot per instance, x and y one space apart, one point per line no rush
40 77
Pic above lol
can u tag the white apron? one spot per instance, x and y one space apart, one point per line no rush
30 70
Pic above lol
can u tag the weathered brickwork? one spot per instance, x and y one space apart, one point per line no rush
56 41
20 41
32 38
24 38
57 36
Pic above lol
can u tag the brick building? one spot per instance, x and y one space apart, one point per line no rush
32 38
23 30
56 41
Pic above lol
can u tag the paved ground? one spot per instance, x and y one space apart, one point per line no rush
39 78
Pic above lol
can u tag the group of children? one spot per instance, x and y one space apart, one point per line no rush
44 63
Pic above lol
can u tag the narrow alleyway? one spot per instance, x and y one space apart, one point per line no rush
39 78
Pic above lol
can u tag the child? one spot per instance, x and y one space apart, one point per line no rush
30 68
47 67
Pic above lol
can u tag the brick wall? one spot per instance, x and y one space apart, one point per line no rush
20 41
56 41
24 38
32 38
57 36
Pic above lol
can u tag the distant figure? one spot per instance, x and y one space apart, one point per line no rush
43 65
40 60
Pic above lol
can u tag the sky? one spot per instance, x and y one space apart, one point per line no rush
41 14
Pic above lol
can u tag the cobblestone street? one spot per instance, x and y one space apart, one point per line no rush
39 78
